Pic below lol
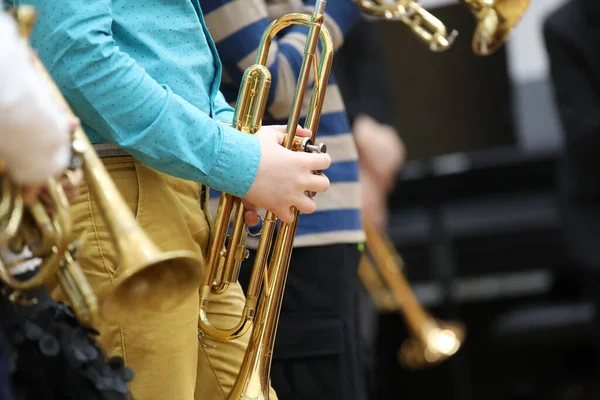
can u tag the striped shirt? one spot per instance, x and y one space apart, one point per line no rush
237 26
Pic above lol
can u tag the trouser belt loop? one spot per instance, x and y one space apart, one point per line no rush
105 150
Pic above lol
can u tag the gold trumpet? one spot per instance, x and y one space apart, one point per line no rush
421 22
432 341
45 234
495 21
225 258
153 280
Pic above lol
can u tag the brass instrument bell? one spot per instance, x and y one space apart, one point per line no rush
495 20
431 341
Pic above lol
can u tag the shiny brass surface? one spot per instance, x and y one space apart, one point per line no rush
431 341
76 287
495 20
152 281
44 233
226 252
11 209
429 29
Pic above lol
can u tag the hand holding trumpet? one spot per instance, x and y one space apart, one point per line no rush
294 171
69 181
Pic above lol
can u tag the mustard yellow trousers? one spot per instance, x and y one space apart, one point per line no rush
169 361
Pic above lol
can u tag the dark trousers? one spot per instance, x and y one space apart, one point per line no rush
318 350
52 356
5 384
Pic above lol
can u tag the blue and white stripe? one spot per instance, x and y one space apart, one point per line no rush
236 26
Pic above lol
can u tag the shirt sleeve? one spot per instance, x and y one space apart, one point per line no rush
223 111
237 27
116 97
34 131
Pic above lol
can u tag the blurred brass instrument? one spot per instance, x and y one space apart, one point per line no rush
431 341
154 280
44 233
226 252
495 21
11 208
421 22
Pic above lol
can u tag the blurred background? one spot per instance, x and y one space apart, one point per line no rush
476 212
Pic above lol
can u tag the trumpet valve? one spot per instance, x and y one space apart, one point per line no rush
306 145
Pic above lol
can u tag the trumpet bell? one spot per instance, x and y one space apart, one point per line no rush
158 284
496 19
437 343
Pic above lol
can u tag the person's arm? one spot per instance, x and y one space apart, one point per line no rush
114 95
223 111
34 131
577 93
237 27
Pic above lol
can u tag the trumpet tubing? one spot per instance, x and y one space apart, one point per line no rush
376 287
11 209
431 341
152 280
227 252
77 289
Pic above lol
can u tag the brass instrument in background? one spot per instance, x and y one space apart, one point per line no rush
154 280
11 208
421 22
495 21
44 233
431 341
226 252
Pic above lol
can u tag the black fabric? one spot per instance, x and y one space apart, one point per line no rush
54 358
360 71
572 38
6 390
318 350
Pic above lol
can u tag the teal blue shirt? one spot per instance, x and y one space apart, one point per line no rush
145 76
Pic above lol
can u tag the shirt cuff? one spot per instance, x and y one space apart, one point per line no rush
234 172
